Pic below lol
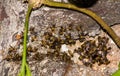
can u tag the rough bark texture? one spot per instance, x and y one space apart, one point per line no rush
12 17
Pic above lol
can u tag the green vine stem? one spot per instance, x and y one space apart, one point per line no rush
109 30
24 67
117 73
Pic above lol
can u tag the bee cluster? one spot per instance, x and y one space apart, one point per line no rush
13 55
12 52
64 35
33 34
90 51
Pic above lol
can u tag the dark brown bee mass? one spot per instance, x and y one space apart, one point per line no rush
90 52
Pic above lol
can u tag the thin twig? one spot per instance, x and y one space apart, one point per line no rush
24 63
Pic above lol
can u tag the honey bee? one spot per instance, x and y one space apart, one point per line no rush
47 35
62 30
31 49
17 57
8 57
81 38
70 27
66 58
53 28
33 34
78 28
13 55
62 41
38 56
34 38
32 30
11 49
68 36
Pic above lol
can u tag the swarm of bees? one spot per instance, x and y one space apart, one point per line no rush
13 55
91 51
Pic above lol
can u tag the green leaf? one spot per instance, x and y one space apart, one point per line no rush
117 73
28 72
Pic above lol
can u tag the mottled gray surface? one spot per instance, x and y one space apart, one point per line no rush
12 16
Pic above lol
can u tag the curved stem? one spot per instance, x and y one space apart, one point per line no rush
23 67
109 30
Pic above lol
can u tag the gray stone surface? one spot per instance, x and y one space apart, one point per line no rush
12 17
